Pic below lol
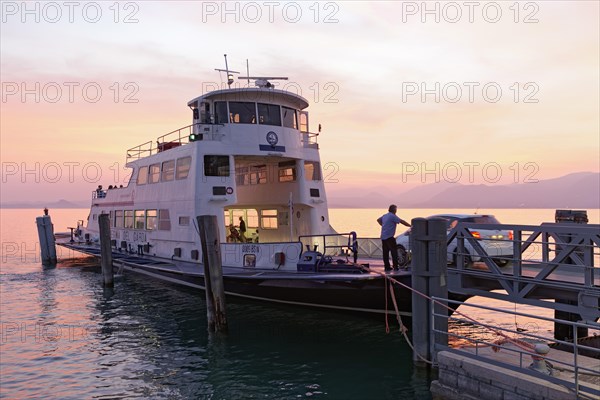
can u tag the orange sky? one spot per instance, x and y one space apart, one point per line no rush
363 66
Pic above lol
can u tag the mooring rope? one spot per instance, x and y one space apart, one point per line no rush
519 343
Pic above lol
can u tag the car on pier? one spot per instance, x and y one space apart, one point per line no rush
497 243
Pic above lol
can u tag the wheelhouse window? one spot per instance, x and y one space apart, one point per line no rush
139 219
183 167
168 171
312 171
242 112
184 221
269 114
290 119
216 165
142 177
154 175
268 219
151 220
303 121
220 112
287 171
119 219
129 219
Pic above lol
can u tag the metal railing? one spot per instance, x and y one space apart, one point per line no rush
547 262
309 139
583 378
337 244
176 138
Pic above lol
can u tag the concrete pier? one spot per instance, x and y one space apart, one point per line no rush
462 377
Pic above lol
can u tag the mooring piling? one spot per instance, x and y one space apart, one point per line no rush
213 273
105 250
429 269
46 238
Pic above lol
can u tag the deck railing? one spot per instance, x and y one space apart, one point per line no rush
176 138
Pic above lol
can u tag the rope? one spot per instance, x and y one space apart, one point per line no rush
519 343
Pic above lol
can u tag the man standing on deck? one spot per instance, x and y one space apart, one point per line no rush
388 224
242 230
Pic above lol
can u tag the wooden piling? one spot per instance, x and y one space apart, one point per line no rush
105 250
428 244
213 273
46 238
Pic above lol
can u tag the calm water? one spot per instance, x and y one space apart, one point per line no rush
63 336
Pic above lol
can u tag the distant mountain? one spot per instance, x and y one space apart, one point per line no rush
578 190
49 204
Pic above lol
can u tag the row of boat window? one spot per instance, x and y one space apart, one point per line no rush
179 169
257 174
219 166
242 112
152 220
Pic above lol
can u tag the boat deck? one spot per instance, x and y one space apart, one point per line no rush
121 259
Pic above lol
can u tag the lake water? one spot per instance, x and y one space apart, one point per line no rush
64 336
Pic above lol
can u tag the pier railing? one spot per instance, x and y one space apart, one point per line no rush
178 137
548 262
512 347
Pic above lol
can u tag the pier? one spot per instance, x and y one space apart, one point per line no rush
554 266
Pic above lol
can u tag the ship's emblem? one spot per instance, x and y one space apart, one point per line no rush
272 138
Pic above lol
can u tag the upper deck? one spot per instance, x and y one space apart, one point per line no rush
218 113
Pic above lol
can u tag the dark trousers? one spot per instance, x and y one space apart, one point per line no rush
389 245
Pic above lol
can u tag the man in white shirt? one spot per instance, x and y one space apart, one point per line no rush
388 224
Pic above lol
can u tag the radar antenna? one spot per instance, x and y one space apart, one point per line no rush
229 73
263 81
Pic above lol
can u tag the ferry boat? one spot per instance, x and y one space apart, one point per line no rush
249 154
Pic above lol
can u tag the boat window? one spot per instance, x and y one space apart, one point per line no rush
154 175
269 114
252 218
312 170
151 220
303 121
287 171
139 219
183 167
168 171
142 177
129 219
268 219
119 219
164 222
290 120
184 221
242 112
220 112
253 175
216 165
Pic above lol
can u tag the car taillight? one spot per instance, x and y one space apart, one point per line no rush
510 235
476 235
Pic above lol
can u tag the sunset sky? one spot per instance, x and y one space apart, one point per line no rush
362 66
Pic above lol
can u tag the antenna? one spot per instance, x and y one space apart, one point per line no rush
229 73
248 72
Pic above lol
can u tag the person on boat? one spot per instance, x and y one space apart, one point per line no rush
242 230
388 224
234 235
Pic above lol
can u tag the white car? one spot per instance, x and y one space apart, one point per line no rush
496 243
